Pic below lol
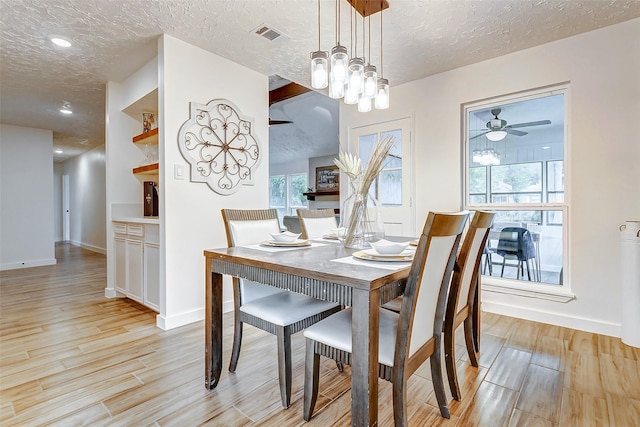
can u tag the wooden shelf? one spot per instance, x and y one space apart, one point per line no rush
150 137
313 195
151 169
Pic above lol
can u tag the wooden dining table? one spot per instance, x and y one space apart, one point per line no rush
323 270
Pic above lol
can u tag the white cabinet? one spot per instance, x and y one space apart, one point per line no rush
137 262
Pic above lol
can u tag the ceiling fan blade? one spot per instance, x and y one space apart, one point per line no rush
523 125
515 132
480 134
279 122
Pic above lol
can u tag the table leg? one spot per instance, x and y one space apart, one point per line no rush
212 327
364 369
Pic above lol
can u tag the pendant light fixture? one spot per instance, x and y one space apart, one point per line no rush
339 63
319 63
370 71
355 82
382 97
351 79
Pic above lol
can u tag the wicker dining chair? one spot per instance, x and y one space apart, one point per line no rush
277 311
461 303
408 338
315 223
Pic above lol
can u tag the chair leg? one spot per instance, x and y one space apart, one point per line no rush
502 272
469 341
528 271
284 364
237 342
311 377
450 362
400 402
438 384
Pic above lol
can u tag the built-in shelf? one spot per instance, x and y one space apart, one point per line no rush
313 195
150 137
151 169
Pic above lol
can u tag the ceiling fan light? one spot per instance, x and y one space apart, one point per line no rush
319 69
370 81
356 74
382 97
364 104
339 64
496 135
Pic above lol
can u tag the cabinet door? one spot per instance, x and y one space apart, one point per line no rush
120 275
152 275
134 269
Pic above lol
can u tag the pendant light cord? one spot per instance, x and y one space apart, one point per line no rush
381 69
318 25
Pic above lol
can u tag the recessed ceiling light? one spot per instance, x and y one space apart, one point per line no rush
66 111
58 151
60 42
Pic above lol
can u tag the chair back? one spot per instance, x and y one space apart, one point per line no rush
517 243
248 227
423 306
465 274
316 223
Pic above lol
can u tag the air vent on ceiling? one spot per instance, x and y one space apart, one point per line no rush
267 32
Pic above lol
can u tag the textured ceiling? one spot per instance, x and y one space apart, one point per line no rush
112 38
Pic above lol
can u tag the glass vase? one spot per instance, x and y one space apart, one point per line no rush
360 219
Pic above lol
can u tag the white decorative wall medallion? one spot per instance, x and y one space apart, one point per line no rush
218 144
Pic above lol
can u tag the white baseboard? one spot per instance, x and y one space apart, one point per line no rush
181 319
112 293
28 264
227 306
92 248
573 322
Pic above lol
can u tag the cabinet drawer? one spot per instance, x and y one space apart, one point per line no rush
135 230
120 228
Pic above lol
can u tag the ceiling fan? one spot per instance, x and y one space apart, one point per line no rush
497 128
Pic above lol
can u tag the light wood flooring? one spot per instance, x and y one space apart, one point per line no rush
69 356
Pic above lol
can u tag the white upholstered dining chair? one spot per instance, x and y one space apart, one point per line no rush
461 301
408 338
274 310
315 223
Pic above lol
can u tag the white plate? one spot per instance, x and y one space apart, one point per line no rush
330 236
295 243
372 255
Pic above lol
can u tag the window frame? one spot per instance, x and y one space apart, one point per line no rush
561 292
288 208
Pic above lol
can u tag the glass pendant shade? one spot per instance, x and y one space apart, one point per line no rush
356 75
350 96
339 64
382 97
496 135
336 89
364 104
370 81
319 69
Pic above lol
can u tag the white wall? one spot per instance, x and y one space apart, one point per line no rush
190 212
87 199
603 69
26 197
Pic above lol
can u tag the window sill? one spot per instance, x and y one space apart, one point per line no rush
538 290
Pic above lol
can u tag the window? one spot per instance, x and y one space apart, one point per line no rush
515 165
287 193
